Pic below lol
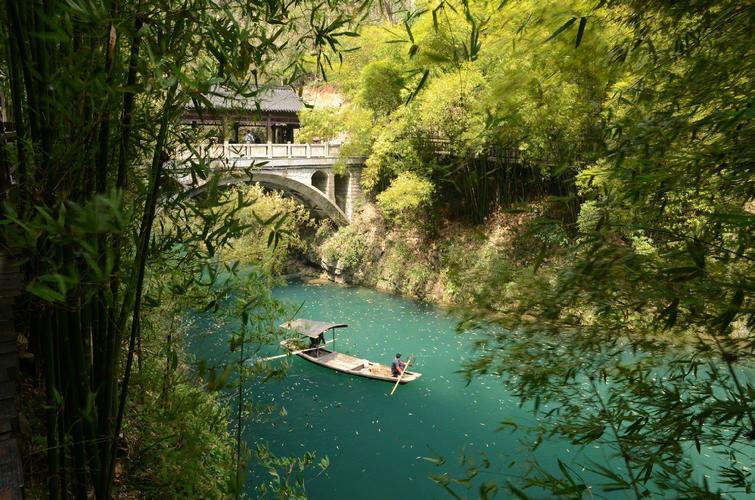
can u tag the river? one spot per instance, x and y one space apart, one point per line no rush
380 446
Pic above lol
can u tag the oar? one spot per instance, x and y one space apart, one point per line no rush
401 375
271 358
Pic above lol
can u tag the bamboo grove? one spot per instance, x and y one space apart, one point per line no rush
95 91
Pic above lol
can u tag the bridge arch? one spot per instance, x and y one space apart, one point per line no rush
320 181
309 196
303 171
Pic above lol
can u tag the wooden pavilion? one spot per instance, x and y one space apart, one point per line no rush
271 115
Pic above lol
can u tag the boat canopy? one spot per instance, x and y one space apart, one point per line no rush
311 328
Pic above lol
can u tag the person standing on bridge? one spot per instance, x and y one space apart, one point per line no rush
249 138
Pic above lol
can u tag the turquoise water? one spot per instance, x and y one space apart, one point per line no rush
382 446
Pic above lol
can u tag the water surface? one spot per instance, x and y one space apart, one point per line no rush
378 445
382 446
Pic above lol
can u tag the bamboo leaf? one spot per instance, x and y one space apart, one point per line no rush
421 84
580 31
516 491
563 28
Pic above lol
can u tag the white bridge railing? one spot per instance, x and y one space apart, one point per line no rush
230 151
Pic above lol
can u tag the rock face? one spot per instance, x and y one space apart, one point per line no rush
444 263
351 255
323 96
366 253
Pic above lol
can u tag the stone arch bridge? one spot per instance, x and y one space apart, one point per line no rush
303 171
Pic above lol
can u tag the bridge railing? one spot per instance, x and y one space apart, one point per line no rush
229 151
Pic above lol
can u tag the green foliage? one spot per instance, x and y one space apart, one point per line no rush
480 83
346 248
178 442
590 215
351 125
393 151
358 124
285 473
451 107
407 194
95 91
371 45
641 341
381 86
550 233
288 219
323 124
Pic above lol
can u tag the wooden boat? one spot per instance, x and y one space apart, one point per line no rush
318 352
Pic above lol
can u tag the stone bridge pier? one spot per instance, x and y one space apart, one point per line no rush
341 190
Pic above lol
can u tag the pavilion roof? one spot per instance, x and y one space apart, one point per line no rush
311 328
276 98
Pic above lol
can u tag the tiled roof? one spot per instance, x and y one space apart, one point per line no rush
277 98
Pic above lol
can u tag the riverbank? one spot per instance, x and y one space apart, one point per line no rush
447 264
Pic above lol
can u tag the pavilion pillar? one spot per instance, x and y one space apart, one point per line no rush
269 131
225 128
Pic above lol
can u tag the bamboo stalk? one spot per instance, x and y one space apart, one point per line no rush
128 103
132 299
72 402
239 412
15 86
44 327
115 322
83 389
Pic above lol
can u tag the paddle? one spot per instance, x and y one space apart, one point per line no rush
401 375
271 358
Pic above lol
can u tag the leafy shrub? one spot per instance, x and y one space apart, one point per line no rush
179 445
322 124
346 247
549 232
253 245
381 87
407 193
589 216
643 245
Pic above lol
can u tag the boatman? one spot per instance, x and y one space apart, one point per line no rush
397 367
318 341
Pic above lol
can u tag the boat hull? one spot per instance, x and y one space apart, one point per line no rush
352 365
